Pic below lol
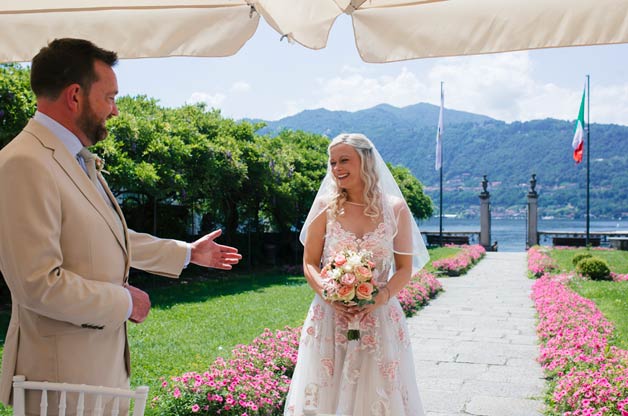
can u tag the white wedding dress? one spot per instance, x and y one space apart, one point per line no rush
371 376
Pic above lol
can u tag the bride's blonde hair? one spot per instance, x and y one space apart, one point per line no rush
371 193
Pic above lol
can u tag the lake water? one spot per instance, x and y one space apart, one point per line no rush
511 233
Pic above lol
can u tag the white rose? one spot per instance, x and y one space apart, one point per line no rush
355 260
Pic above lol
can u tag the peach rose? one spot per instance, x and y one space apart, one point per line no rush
364 291
363 273
346 293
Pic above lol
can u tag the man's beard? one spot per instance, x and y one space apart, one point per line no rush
90 125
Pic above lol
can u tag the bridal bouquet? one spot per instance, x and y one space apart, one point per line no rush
348 278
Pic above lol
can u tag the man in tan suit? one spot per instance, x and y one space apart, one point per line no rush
65 250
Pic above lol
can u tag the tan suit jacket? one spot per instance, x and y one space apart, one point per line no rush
65 257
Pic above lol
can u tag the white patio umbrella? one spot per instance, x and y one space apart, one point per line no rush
394 30
133 28
385 30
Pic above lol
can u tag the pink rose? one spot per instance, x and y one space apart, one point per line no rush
347 279
340 259
363 273
364 291
330 286
346 293
371 264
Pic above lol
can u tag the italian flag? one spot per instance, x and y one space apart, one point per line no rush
578 137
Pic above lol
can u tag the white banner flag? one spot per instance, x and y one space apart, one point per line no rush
439 134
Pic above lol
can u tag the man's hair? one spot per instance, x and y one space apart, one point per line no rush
65 62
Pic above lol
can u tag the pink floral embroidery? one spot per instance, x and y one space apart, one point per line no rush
311 331
340 338
369 322
317 313
368 341
402 334
328 365
389 369
395 315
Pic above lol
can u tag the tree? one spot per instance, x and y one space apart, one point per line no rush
145 155
17 101
419 203
298 162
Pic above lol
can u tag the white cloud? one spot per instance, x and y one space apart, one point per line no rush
241 86
356 91
502 86
212 100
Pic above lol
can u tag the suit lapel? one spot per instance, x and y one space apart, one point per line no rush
71 167
118 212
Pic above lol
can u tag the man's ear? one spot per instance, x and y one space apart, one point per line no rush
72 97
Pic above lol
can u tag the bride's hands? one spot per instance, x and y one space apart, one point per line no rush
351 312
382 298
346 311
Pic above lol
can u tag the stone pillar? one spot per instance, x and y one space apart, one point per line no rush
485 216
533 219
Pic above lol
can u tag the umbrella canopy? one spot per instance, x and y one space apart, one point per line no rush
132 28
394 30
385 30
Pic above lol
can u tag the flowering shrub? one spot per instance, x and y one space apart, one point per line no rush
461 262
589 376
594 268
418 291
256 379
539 262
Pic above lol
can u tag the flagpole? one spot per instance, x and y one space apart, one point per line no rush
440 223
588 153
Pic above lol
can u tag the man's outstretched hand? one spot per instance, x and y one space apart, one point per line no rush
207 253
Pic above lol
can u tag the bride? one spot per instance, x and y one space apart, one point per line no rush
358 207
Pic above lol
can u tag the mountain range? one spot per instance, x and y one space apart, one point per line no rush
475 145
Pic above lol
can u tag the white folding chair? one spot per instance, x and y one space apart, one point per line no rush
20 385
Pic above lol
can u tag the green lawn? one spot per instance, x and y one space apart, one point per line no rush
196 319
617 259
610 297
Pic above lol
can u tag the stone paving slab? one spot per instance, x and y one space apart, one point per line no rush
475 345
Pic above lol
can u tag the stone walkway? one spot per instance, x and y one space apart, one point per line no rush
475 345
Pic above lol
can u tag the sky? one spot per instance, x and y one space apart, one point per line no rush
271 79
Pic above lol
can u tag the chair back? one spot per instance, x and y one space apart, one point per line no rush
102 395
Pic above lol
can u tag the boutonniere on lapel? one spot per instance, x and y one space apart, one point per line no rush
100 164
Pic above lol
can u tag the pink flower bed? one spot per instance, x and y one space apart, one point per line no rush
418 292
462 261
255 380
619 278
539 262
589 376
